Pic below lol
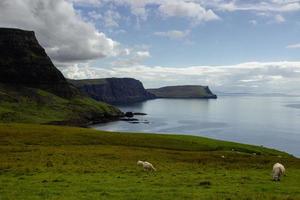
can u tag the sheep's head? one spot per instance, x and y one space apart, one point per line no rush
140 162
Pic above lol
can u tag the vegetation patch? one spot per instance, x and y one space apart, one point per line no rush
30 105
54 162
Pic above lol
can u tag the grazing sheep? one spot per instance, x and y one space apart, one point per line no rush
278 171
146 165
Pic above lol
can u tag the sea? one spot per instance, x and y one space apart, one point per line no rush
270 121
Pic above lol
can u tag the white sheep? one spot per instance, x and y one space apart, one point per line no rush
146 165
278 171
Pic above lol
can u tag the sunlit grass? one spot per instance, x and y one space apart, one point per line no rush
30 105
50 162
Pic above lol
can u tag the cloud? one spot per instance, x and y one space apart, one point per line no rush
190 10
260 6
253 22
86 2
201 10
173 34
111 19
64 34
264 77
293 46
180 8
279 19
143 54
133 59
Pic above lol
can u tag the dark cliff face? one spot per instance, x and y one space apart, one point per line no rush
114 90
24 62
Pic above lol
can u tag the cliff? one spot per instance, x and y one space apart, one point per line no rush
183 91
114 90
33 90
24 62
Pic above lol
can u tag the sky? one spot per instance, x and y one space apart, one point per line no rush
229 45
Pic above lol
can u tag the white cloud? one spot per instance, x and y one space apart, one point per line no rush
87 2
187 9
143 54
202 10
179 8
133 59
253 22
111 19
95 15
174 34
64 34
260 6
293 46
245 77
279 19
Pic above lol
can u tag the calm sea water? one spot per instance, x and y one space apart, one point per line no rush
268 121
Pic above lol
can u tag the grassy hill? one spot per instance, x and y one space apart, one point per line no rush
31 105
183 91
33 90
51 162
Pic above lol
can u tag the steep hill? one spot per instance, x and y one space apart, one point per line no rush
24 62
32 89
183 91
114 90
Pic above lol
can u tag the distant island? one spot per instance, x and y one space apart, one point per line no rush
129 90
183 91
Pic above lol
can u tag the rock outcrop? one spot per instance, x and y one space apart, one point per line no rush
24 62
183 91
114 90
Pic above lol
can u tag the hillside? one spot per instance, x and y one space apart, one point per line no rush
114 90
183 91
33 90
50 162
31 105
24 62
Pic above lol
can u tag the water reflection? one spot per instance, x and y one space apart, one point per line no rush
268 121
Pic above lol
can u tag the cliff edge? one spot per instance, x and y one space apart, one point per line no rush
33 90
24 62
114 90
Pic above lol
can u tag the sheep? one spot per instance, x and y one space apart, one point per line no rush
146 165
278 171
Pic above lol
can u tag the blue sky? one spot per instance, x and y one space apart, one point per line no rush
230 45
240 36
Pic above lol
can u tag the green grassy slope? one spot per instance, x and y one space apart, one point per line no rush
50 162
29 105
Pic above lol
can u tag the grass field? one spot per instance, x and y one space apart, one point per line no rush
31 105
51 162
